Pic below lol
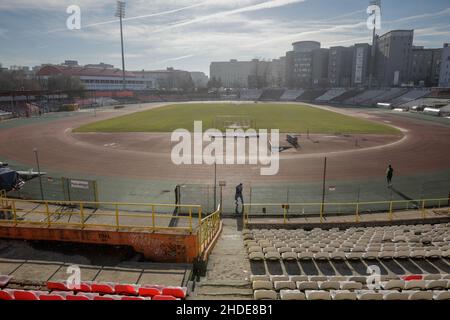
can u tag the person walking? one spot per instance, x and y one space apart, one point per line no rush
238 195
389 175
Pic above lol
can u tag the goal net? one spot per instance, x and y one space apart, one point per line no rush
234 122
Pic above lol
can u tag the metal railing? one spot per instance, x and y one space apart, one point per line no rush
208 228
3 200
121 217
297 210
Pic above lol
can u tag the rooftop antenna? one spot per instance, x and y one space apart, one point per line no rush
374 42
120 13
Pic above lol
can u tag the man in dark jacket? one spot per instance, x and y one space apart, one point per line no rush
238 195
389 175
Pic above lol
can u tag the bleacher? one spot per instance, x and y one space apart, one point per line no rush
365 96
291 95
387 96
251 94
410 96
400 245
311 95
331 94
345 96
271 95
88 290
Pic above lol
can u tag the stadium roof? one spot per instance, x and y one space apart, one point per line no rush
82 71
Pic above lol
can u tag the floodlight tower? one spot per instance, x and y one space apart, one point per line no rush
374 43
120 13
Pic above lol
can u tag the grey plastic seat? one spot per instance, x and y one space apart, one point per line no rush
289 256
343 295
350 285
441 295
436 284
415 285
262 285
366 295
307 285
272 256
329 285
256 256
420 295
284 285
290 295
317 295
265 295
393 284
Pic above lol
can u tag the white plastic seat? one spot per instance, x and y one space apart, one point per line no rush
386 255
322 256
284 285
305 256
441 295
289 256
317 295
343 295
395 295
259 278
262 285
446 254
295 295
366 295
274 278
403 254
393 284
256 256
272 256
432 277
298 278
415 285
420 295
436 284
370 255
350 285
418 254
354 255
269 249
318 278
433 254
329 285
254 249
307 285
284 250
265 295
337 255
338 278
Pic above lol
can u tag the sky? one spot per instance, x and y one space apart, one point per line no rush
190 34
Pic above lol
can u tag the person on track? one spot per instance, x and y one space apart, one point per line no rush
389 175
238 195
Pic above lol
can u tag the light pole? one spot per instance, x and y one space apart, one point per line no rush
120 13
35 150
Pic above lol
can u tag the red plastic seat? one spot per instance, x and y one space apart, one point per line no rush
412 277
128 298
52 297
150 291
163 297
57 285
107 297
177 292
84 287
7 294
126 289
104 288
27 295
4 280
82 296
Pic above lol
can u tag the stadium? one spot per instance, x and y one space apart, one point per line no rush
93 205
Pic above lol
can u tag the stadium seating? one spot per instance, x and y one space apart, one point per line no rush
311 95
251 94
331 94
271 95
363 97
410 96
291 95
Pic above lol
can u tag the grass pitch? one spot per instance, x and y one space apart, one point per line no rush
285 117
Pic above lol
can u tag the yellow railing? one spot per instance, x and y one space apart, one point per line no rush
3 201
297 209
120 217
207 229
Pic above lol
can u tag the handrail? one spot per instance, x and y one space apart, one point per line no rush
420 204
208 229
46 211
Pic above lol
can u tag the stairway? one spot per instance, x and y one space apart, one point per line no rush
228 271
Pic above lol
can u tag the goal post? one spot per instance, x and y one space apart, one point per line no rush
234 122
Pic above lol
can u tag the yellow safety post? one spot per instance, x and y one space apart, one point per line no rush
14 212
321 212
117 217
284 214
49 222
391 215
190 220
424 213
153 218
82 215
357 213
